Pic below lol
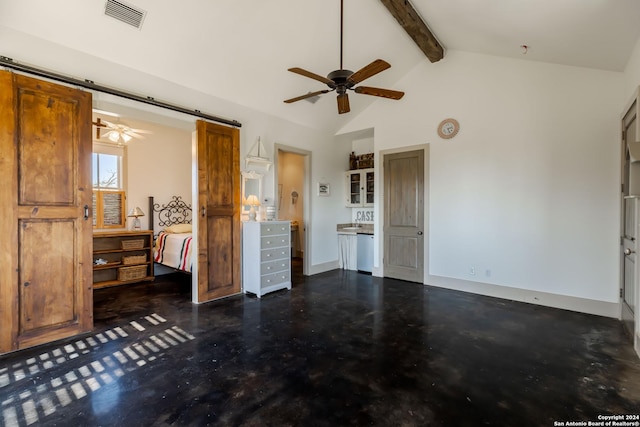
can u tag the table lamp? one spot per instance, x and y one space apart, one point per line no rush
252 201
135 213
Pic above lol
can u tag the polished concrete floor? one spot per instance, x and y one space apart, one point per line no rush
339 349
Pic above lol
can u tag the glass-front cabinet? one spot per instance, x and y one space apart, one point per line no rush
359 188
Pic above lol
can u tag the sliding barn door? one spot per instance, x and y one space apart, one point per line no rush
45 248
219 211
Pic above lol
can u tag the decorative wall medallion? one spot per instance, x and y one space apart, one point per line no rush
448 128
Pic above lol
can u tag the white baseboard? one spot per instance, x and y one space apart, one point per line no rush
321 268
582 305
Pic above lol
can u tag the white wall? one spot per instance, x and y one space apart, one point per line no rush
158 165
527 192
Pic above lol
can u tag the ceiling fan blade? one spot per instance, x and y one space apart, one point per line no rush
343 103
369 70
138 130
108 124
308 95
99 125
376 91
135 134
312 76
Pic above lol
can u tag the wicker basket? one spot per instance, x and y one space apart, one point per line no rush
132 273
134 259
132 244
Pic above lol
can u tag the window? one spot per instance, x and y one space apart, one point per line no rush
109 196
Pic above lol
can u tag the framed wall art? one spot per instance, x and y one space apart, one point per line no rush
324 189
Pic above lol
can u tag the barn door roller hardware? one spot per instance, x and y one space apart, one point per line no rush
89 84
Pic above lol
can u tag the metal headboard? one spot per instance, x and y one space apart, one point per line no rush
176 211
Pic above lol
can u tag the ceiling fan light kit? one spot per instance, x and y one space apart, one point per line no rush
116 132
342 80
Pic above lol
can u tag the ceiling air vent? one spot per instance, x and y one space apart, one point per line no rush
125 13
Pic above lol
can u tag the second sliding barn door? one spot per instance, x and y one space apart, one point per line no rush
218 211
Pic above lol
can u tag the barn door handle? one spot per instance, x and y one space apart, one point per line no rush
419 233
629 251
203 212
86 212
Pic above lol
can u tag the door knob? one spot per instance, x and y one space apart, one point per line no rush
629 251
419 233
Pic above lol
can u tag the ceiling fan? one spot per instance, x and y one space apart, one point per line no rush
342 80
117 132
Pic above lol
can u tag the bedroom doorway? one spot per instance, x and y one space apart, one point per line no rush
167 135
292 201
171 135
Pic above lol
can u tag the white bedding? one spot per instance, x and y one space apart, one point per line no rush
174 250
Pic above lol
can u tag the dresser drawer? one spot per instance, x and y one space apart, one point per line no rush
273 229
275 278
273 266
269 242
275 253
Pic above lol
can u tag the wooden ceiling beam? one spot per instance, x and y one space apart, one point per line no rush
409 19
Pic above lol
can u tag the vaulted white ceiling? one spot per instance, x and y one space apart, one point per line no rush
240 50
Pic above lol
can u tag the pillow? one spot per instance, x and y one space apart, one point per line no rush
178 228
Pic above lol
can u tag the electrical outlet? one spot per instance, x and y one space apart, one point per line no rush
487 273
472 270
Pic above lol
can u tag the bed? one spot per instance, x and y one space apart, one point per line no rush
171 225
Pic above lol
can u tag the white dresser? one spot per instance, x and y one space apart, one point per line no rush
266 256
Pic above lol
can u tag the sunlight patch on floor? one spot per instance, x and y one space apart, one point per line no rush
41 396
